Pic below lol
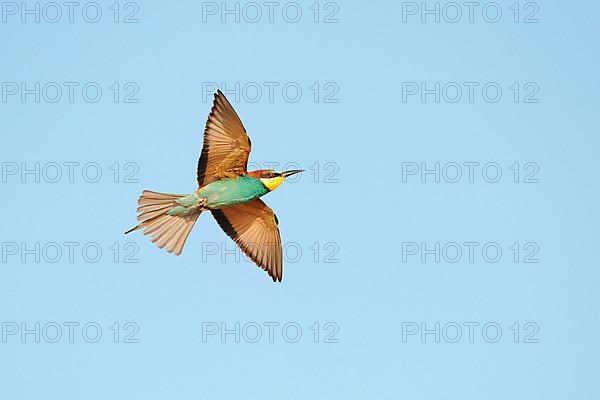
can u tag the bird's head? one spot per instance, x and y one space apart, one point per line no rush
272 179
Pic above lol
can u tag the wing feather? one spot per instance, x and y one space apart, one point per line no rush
253 227
226 145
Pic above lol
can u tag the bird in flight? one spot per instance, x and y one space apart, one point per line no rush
226 189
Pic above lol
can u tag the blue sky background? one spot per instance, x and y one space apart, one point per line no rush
358 212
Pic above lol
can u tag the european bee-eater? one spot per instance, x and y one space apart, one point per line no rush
227 189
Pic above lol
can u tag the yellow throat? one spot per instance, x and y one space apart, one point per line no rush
272 183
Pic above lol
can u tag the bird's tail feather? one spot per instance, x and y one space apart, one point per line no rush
167 231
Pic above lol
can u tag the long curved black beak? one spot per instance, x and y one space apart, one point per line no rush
291 172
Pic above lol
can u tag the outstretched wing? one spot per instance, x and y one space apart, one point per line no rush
253 226
226 145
